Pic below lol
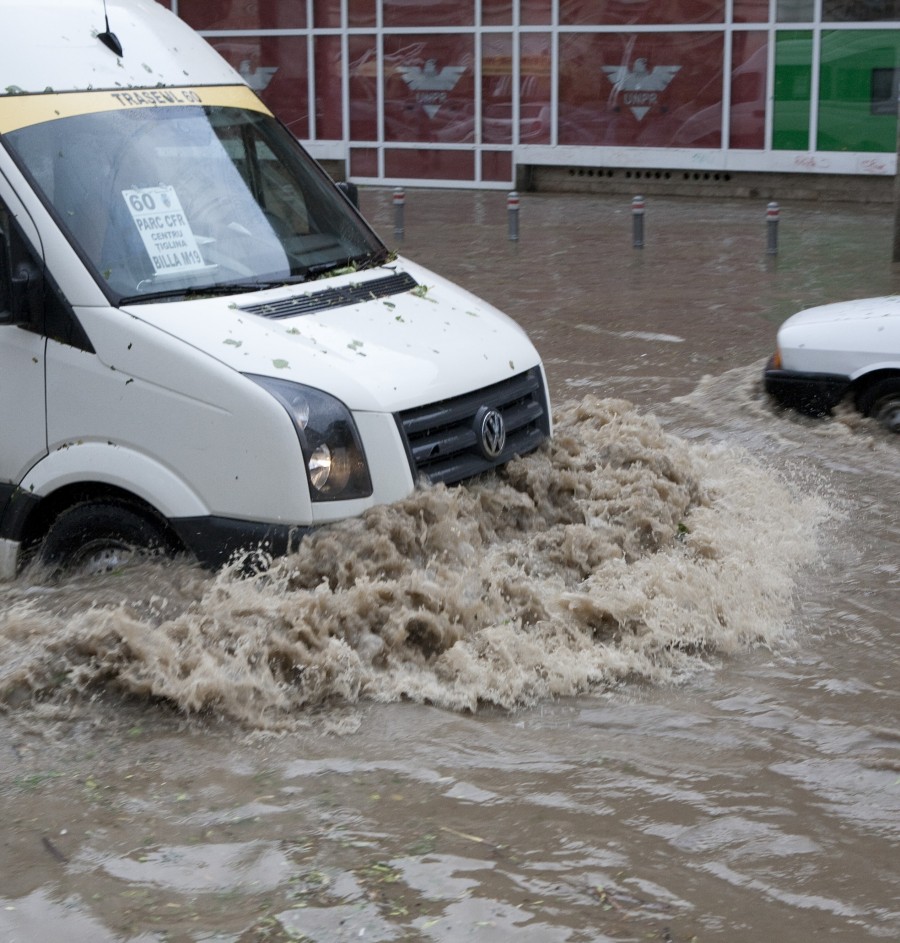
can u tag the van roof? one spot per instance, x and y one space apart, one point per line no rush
58 46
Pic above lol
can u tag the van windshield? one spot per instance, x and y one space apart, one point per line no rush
168 202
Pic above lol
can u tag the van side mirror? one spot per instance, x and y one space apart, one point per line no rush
26 295
21 278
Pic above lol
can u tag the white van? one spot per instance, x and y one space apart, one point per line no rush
203 346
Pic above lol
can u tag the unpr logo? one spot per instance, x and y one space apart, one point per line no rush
430 85
640 86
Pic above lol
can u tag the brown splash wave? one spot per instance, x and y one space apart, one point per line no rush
617 552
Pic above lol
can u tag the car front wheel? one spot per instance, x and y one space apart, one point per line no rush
881 401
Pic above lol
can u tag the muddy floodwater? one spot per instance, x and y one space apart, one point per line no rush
640 686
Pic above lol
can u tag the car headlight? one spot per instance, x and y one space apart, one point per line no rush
332 452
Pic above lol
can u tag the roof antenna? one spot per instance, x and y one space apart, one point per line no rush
110 40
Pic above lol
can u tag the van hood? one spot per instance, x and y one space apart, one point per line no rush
427 342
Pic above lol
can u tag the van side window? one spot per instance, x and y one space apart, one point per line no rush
60 323
29 297
5 265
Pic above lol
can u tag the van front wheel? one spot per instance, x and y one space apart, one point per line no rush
99 537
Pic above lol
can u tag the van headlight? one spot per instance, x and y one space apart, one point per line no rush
332 451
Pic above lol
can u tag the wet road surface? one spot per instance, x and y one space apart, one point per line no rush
641 688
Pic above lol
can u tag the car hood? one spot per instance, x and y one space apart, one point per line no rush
847 338
388 353
860 309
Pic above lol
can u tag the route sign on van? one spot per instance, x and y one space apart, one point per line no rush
164 229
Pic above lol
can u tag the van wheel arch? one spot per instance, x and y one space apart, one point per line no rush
74 527
878 396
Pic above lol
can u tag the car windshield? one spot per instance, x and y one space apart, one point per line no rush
168 202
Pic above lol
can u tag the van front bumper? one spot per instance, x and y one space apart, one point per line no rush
814 394
215 541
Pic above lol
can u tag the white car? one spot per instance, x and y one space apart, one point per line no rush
834 351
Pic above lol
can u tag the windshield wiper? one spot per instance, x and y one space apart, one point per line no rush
209 291
374 259
356 263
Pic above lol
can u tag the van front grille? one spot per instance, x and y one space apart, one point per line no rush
445 441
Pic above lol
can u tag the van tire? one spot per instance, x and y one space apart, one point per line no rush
102 536
881 401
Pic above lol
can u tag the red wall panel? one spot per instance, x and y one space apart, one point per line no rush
640 89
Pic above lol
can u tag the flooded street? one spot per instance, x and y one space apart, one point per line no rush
642 686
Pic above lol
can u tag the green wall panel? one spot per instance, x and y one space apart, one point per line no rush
793 87
858 90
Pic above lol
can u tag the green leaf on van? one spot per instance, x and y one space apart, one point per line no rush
421 291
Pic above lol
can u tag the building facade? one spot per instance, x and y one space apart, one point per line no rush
467 92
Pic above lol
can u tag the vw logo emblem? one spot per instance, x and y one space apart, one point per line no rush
491 432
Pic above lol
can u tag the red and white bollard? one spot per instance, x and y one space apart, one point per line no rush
637 216
399 204
512 214
772 211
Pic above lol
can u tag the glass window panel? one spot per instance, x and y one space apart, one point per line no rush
329 109
531 12
858 91
243 14
535 114
794 11
432 13
361 12
641 89
793 83
496 166
747 123
496 12
363 83
496 88
363 162
751 11
275 67
536 12
327 13
860 11
429 88
429 165
625 12
885 90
